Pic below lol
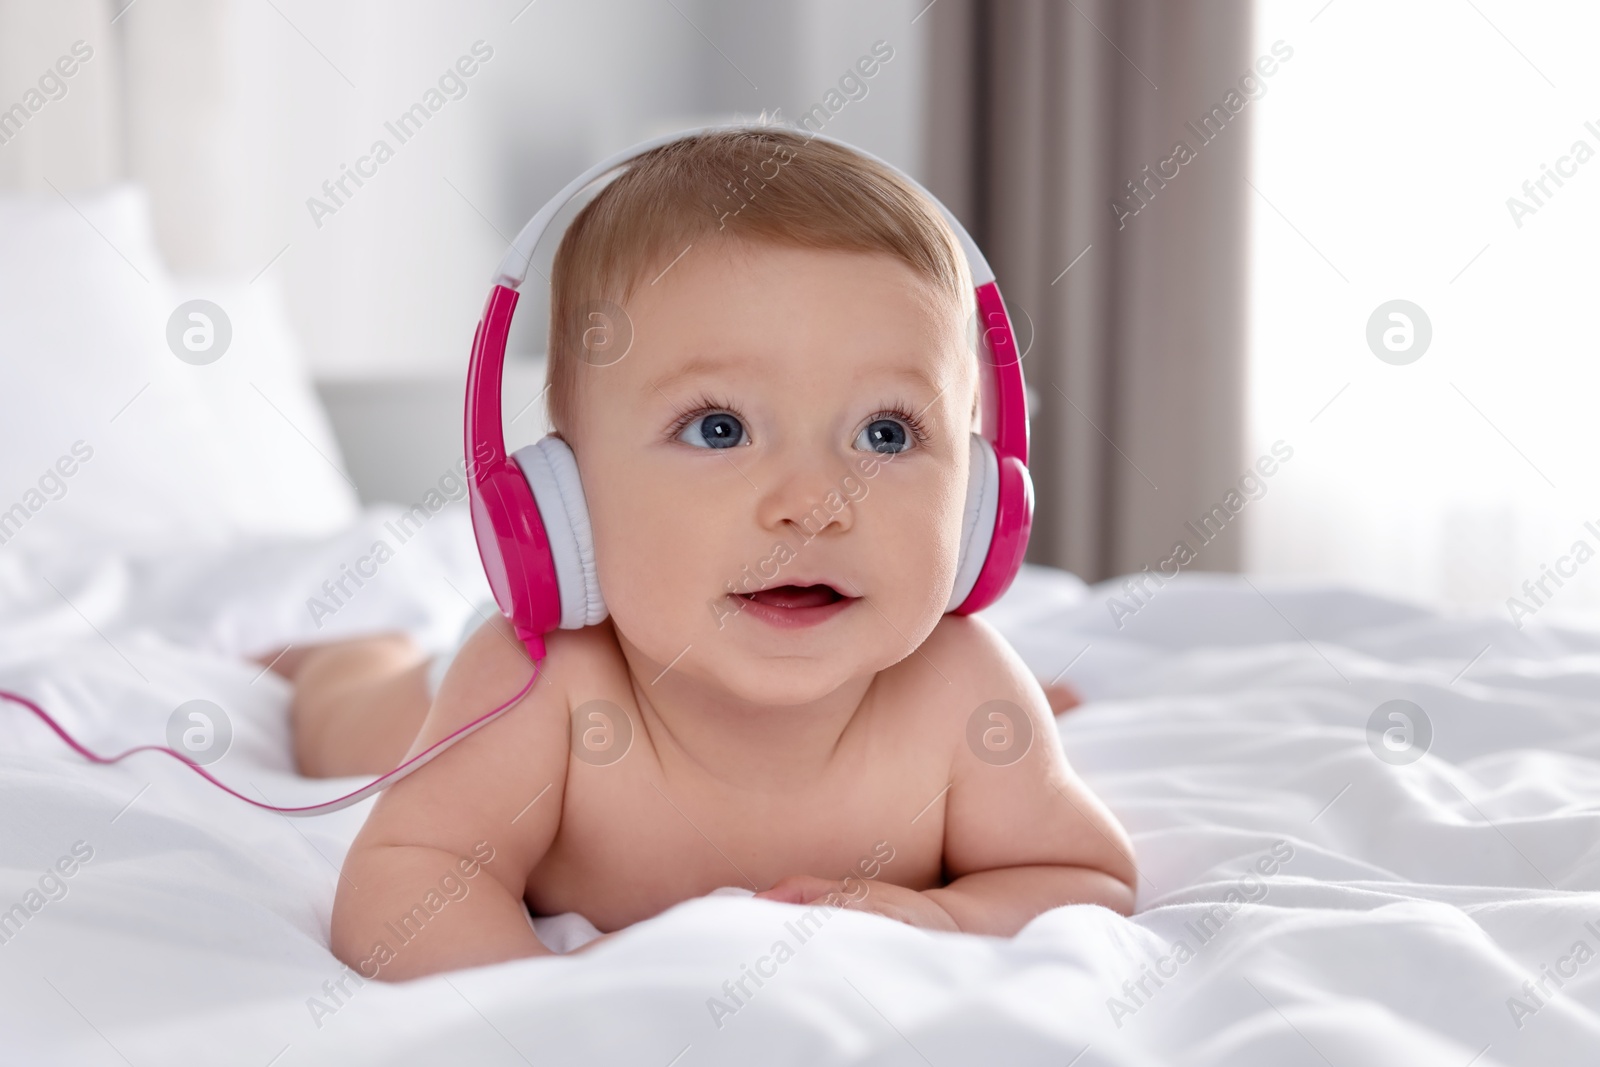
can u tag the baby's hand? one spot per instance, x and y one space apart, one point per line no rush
882 898
1061 695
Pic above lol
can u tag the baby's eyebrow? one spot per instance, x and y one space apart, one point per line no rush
917 375
697 367
706 365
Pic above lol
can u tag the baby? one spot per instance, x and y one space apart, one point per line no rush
796 393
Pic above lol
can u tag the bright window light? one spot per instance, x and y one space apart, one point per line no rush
1443 153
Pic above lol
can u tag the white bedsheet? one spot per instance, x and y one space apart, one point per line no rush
1225 720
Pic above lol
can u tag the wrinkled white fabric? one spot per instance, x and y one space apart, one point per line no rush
1222 723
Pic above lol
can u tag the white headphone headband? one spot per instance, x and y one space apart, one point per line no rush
514 266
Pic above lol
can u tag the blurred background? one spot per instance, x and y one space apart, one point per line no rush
1304 285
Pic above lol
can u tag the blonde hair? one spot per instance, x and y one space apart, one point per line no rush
769 184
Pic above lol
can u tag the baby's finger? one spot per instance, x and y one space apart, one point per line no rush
798 889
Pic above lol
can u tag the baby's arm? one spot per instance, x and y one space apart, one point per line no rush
434 881
1021 836
1026 836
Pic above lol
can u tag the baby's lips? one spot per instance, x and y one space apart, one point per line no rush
797 596
838 583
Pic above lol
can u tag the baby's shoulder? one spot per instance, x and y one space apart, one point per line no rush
590 661
492 664
973 652
570 655
493 661
963 663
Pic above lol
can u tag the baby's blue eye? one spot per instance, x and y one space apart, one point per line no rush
717 430
884 436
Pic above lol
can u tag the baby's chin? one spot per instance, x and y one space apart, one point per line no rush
760 669
781 681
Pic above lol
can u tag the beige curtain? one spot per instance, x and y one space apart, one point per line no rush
1041 114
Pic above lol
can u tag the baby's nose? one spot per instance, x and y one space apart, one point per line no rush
812 498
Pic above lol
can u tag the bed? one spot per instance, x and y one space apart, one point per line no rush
1347 887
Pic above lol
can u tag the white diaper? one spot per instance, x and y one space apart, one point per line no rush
441 662
569 930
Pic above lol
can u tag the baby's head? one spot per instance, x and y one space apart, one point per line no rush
761 353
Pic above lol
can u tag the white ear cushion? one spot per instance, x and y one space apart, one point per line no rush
977 518
552 473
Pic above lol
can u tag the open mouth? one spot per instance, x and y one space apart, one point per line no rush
795 596
792 605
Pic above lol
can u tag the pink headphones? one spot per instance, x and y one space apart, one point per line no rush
532 524
528 509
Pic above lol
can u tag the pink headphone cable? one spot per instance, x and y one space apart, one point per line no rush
376 785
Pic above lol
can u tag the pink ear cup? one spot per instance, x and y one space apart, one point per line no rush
1013 520
505 518
1009 435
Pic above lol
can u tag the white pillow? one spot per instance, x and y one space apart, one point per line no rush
110 442
284 473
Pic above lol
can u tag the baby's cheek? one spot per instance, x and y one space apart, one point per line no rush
656 585
923 559
927 587
640 582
